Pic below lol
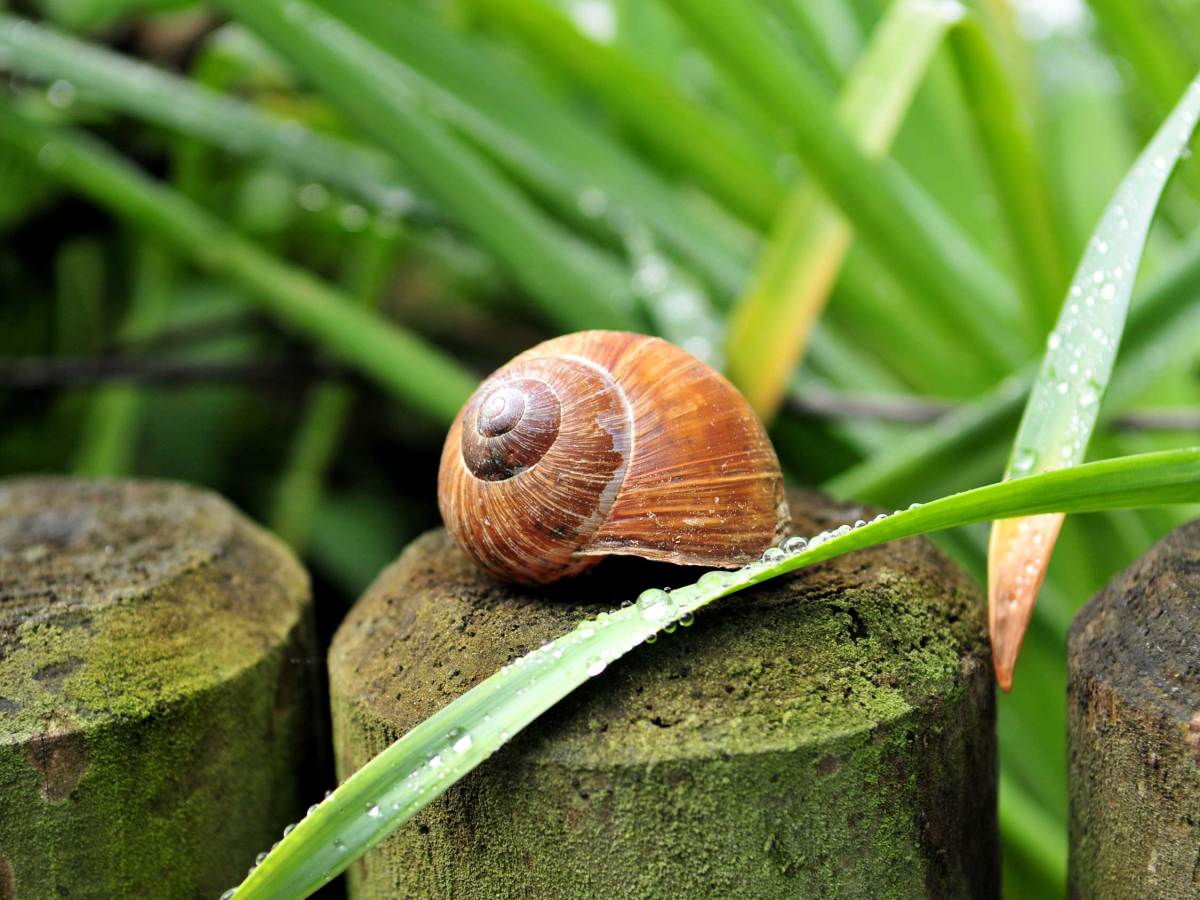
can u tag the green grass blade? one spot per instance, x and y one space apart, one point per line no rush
415 372
110 431
416 769
573 284
770 326
189 108
1138 31
298 491
1007 139
590 177
720 158
902 224
1063 405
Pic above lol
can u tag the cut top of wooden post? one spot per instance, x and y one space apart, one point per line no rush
119 596
831 727
1140 636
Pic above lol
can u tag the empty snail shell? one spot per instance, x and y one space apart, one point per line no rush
603 443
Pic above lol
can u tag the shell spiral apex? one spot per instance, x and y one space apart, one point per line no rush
603 443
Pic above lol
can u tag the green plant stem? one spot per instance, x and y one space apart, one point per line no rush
902 224
1036 835
1022 186
298 493
1137 31
110 430
404 364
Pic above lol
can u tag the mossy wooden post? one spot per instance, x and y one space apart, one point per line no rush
828 734
1134 729
155 690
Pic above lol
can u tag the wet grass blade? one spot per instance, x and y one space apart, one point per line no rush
770 326
584 172
1062 408
723 160
408 775
415 372
189 108
1022 187
903 225
573 284
315 444
110 431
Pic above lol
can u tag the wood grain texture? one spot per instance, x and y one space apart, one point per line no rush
1134 729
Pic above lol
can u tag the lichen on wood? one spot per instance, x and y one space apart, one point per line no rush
156 699
829 733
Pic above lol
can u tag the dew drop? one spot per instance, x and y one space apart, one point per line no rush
669 628
228 895
794 545
289 829
654 604
687 619
462 745
61 94
1054 341
1108 292
261 858
773 555
714 579
651 638
373 810
312 809
435 761
595 666
1089 396
339 845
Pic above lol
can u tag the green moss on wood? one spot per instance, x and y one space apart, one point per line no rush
827 734
1134 729
155 689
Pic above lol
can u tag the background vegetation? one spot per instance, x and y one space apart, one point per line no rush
268 246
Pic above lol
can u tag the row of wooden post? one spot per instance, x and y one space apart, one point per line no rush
829 734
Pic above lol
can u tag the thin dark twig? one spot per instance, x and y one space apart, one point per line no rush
43 372
1180 419
194 334
818 404
907 409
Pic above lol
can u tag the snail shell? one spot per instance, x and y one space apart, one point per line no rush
603 443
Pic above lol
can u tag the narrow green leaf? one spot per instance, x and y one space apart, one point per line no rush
1139 32
584 172
722 159
1063 405
770 326
403 363
419 767
573 284
110 431
298 491
901 223
1007 139
189 108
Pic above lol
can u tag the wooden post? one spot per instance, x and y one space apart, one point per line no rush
827 734
155 690
1134 729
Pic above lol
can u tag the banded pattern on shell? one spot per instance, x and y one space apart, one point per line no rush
603 443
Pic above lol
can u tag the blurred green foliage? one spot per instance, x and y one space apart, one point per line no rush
266 245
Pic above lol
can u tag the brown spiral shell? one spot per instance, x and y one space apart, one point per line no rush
603 443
